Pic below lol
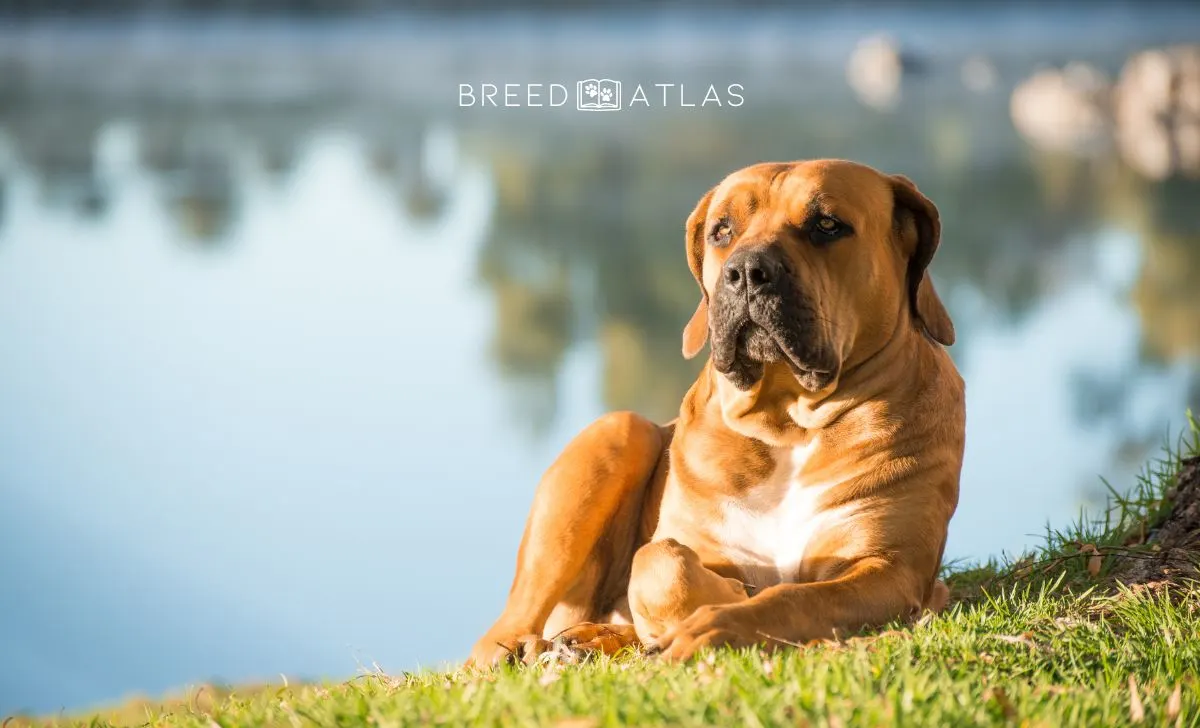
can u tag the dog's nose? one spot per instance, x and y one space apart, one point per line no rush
754 270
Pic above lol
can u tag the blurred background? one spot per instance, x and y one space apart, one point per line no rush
289 334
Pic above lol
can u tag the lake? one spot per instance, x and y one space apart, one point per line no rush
290 335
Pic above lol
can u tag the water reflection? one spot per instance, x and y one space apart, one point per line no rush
585 241
584 245
1166 295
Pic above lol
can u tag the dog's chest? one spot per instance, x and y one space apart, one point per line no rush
767 530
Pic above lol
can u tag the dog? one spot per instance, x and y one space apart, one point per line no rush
806 487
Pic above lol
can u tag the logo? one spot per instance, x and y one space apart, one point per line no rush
598 94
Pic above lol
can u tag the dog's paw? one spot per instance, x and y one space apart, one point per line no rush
605 639
507 649
570 645
708 627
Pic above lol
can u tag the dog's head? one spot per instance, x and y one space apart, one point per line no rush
812 264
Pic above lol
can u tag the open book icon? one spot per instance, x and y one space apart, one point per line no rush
598 94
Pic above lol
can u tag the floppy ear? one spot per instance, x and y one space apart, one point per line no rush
695 334
917 221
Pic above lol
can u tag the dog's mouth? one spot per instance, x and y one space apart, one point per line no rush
749 336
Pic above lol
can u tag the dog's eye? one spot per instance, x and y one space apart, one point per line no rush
721 233
828 225
826 228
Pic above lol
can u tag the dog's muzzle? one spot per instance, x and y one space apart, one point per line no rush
759 316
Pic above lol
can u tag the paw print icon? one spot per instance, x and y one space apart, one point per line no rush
598 94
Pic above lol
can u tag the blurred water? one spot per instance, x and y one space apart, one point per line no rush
290 336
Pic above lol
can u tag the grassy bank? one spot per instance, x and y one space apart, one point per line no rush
1053 638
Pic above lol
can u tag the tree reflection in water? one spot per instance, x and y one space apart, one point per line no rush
585 244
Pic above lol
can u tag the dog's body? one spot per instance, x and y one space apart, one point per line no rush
806 487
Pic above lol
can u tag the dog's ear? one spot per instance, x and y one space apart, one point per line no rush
919 227
695 334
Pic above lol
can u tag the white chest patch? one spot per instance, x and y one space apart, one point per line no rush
766 532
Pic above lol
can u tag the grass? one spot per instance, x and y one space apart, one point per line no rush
1046 639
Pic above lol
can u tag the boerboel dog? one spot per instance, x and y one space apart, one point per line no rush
805 489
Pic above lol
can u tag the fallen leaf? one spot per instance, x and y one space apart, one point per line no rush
1095 561
1175 702
1137 711
902 634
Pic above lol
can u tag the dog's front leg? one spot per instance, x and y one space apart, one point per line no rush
582 526
668 583
873 591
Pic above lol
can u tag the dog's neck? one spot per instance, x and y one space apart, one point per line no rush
780 412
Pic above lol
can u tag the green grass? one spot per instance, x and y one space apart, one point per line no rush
1040 640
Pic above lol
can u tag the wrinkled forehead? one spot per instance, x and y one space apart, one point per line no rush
851 192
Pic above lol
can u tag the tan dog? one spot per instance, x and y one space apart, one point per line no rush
806 487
